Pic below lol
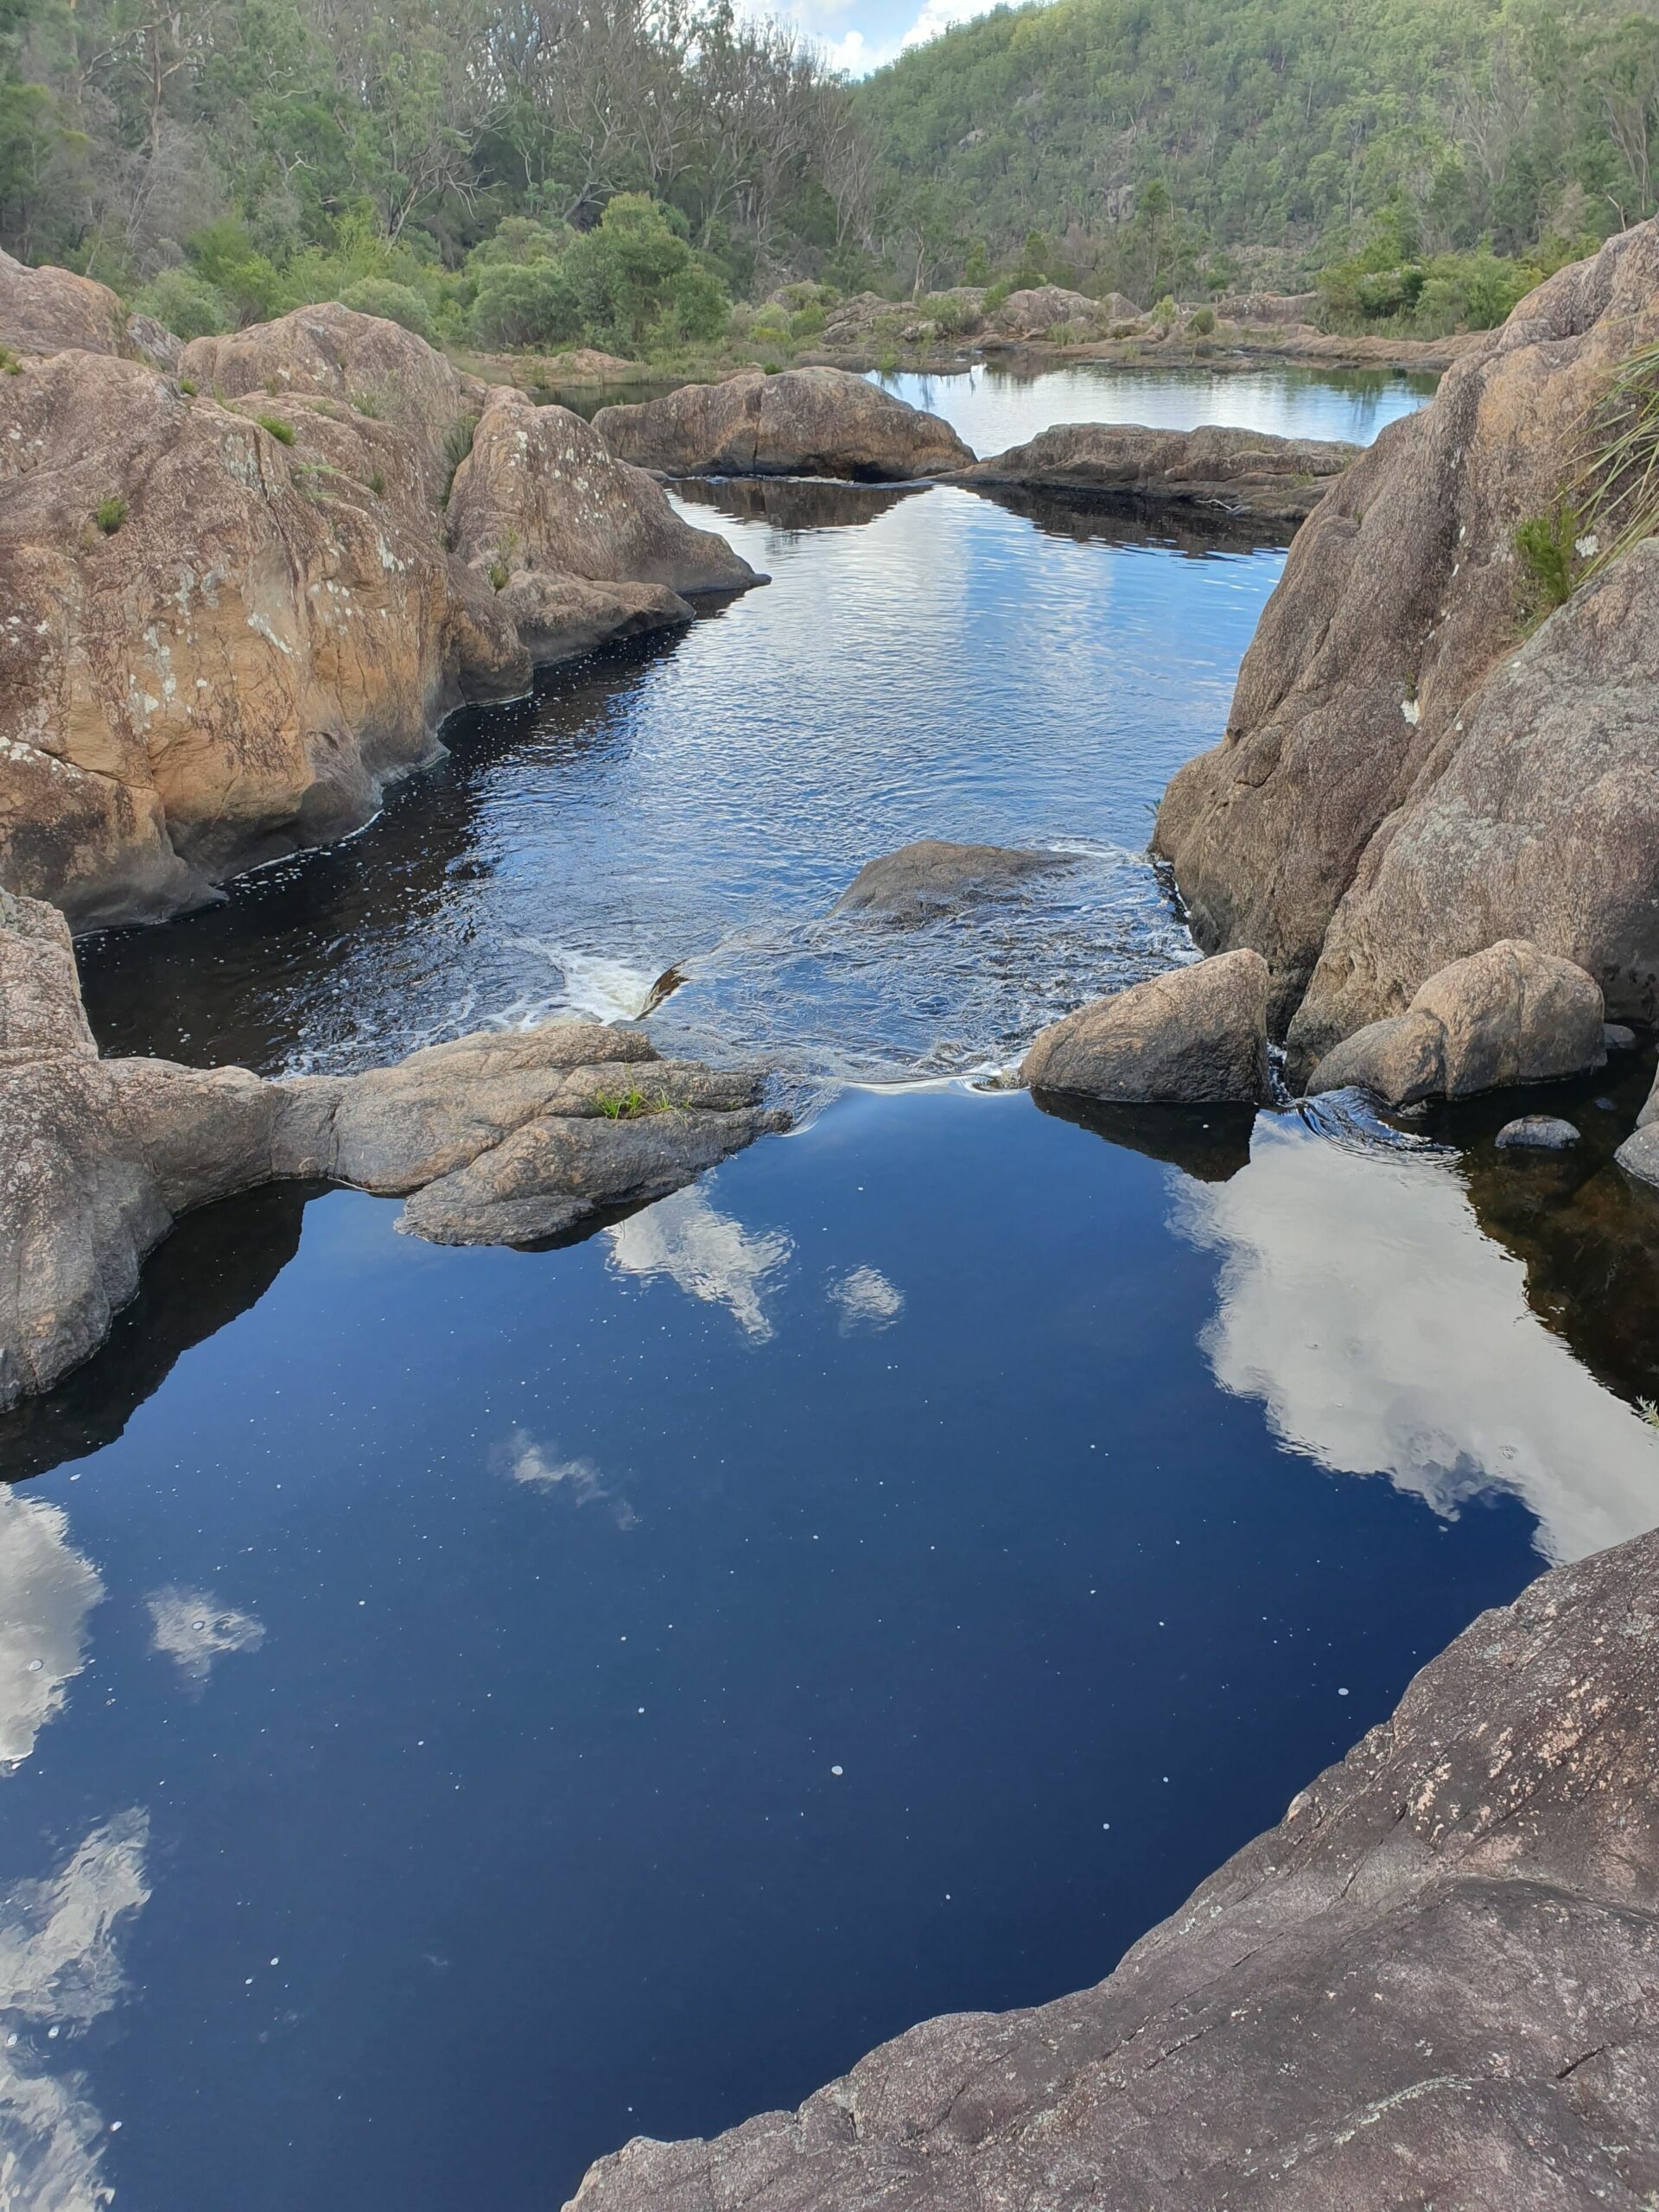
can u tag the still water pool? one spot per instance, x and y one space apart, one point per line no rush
460 1709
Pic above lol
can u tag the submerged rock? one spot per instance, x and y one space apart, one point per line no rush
1639 1153
804 422
1196 1036
922 880
1236 472
1432 1983
1509 1015
1537 1132
504 1137
1361 695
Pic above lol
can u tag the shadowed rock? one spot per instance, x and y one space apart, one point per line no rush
921 881
1432 1983
1234 473
504 1137
1210 1147
805 423
1196 1036
1639 1153
1400 595
1509 1015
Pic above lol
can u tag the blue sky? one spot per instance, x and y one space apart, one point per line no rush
861 34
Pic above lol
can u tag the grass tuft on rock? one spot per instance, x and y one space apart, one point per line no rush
282 432
110 514
627 1105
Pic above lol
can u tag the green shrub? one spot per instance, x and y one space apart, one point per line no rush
224 256
1545 547
282 432
457 444
1166 314
806 322
110 514
187 386
188 305
398 303
378 481
1202 323
367 403
9 364
524 304
636 266
499 573
1000 292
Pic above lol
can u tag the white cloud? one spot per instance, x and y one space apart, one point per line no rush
47 1590
866 1299
191 1629
1385 1333
938 16
706 1253
60 1970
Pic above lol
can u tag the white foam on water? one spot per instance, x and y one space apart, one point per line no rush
596 985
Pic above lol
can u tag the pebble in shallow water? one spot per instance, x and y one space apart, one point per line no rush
1537 1132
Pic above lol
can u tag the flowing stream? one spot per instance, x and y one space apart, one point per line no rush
461 1708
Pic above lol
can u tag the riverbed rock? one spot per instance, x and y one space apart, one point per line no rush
931 877
1432 1984
1508 1015
506 1136
375 366
1033 312
1537 1132
1537 815
217 642
43 310
1401 593
540 490
1196 1036
804 422
1233 472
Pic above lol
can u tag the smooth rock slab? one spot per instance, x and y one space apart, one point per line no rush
1537 1132
1197 1036
1435 1983
1229 471
805 423
922 880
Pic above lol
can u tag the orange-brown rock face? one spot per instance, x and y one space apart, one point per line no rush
215 645
42 310
1400 597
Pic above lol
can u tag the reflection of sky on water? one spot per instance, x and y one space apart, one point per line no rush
706 1253
193 1629
60 1970
47 1590
1384 1331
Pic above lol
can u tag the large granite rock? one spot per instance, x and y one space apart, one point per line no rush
1509 1015
1196 1036
43 310
1538 817
227 622
505 1137
1038 309
1436 1982
1639 1153
1237 472
1401 595
804 422
932 877
540 491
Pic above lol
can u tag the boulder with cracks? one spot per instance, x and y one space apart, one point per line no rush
509 1137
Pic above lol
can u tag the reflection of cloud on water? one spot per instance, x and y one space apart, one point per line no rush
867 1299
47 1590
1384 1331
60 1969
191 1629
526 1461
708 1254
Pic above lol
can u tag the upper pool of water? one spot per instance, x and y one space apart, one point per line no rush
925 663
459 1709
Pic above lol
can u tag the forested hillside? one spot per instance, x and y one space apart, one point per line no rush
1141 138
533 172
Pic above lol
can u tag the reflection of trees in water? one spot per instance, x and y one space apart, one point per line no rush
215 1265
795 503
1119 518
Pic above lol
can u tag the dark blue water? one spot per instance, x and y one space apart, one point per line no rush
461 1708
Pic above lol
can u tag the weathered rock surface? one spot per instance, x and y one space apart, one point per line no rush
505 1137
540 490
920 882
805 423
1432 1983
1538 817
1537 1132
1401 595
1511 1014
1196 1036
43 310
1039 308
1238 472
226 623
1639 1153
